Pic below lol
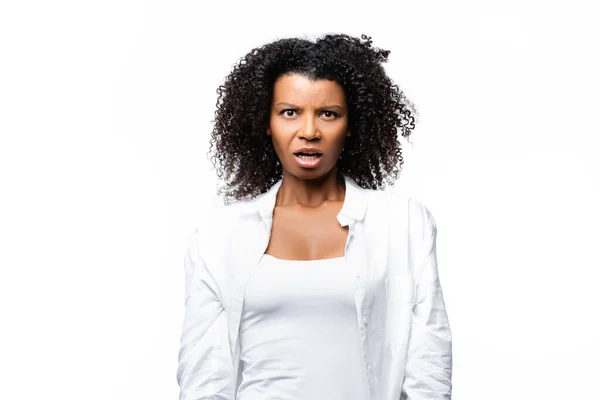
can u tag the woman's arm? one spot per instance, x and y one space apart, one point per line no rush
205 368
428 373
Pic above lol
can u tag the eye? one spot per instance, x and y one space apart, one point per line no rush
287 112
330 114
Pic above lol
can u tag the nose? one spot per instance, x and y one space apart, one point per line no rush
309 128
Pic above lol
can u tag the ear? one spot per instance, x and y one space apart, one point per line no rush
348 134
268 131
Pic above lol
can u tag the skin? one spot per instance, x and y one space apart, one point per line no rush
308 113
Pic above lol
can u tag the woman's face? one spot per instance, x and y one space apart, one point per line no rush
308 114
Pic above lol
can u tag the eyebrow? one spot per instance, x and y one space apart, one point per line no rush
283 103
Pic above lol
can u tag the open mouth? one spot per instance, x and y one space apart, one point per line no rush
308 156
308 159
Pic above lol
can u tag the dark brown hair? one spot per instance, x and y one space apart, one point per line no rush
377 109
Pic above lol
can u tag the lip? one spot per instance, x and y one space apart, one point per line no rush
308 163
308 150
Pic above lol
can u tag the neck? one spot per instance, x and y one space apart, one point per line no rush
311 193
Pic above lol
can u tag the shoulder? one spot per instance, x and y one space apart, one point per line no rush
213 221
402 204
218 220
420 215
394 200
421 223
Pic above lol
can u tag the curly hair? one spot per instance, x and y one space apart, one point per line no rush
377 108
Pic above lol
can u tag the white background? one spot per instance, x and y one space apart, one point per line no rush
105 115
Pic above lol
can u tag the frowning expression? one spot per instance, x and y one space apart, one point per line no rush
308 116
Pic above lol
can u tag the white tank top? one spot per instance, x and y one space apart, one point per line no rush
299 333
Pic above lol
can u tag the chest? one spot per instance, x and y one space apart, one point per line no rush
376 251
304 234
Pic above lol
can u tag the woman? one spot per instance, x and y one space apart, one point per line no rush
312 280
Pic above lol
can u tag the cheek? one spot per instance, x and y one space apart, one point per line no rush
279 124
279 145
281 137
342 141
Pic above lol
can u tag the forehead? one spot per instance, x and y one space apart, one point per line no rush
296 88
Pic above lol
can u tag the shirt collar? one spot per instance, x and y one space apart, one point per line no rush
353 208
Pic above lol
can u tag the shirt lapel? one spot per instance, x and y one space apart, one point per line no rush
251 236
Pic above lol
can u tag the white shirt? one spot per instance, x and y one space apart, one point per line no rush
299 333
404 332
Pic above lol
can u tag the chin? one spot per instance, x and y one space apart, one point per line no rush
310 173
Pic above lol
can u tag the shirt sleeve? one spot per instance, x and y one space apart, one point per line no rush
204 365
428 373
